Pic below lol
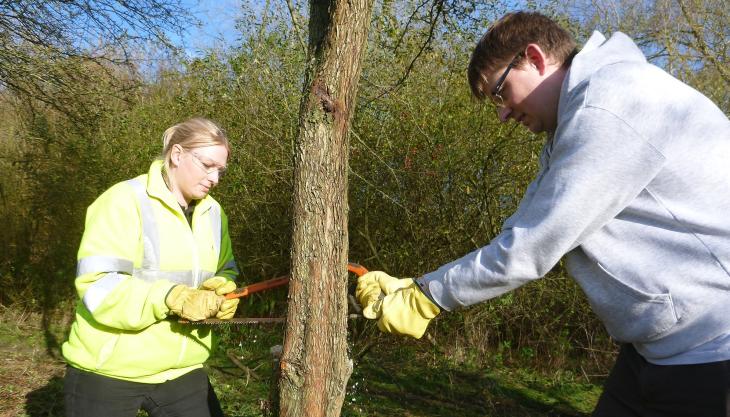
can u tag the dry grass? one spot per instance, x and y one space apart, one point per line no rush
31 375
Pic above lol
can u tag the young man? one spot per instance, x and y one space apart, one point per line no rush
633 189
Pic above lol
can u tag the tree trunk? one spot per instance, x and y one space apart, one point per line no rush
315 366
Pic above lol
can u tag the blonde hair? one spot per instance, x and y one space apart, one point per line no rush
190 134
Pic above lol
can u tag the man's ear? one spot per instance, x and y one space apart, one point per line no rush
536 58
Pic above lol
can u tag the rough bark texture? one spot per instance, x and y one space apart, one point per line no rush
315 366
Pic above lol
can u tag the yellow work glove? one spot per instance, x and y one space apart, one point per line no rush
372 287
220 285
193 304
407 311
399 304
228 309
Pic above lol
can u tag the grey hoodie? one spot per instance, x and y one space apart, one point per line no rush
634 190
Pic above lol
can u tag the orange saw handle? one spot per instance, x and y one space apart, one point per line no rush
259 286
357 269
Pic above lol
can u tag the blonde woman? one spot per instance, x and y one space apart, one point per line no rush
153 247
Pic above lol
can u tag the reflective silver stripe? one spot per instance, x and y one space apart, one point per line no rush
96 264
96 293
215 225
205 275
230 265
150 236
177 277
150 269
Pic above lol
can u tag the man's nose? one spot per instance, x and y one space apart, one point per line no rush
503 113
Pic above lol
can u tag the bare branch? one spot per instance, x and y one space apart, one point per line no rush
295 25
66 53
437 9
702 43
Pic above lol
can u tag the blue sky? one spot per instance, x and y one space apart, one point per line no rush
218 29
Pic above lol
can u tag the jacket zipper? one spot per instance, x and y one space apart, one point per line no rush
196 277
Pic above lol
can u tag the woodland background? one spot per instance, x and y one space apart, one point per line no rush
86 96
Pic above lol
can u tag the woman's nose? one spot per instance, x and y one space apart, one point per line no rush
214 177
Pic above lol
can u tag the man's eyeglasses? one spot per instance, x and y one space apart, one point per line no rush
208 166
497 90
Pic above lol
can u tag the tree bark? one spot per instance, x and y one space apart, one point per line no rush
315 366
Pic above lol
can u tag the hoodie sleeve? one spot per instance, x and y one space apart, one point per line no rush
598 164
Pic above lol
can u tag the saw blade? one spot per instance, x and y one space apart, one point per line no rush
238 320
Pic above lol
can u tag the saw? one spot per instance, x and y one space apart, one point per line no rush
357 269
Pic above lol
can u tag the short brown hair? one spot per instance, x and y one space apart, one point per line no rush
510 35
193 133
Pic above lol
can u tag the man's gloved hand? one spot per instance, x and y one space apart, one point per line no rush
192 304
399 304
372 287
220 285
407 311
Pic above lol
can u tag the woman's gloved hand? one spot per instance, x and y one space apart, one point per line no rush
227 309
192 304
220 285
399 304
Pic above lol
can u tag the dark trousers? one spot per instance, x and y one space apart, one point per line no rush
88 394
637 388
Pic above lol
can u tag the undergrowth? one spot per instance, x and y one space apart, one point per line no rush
391 377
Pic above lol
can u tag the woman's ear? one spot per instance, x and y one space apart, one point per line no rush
536 58
176 155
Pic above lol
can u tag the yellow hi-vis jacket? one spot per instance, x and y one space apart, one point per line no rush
136 246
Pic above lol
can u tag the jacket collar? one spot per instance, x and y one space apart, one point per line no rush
157 188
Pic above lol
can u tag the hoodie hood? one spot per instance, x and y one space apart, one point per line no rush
598 53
